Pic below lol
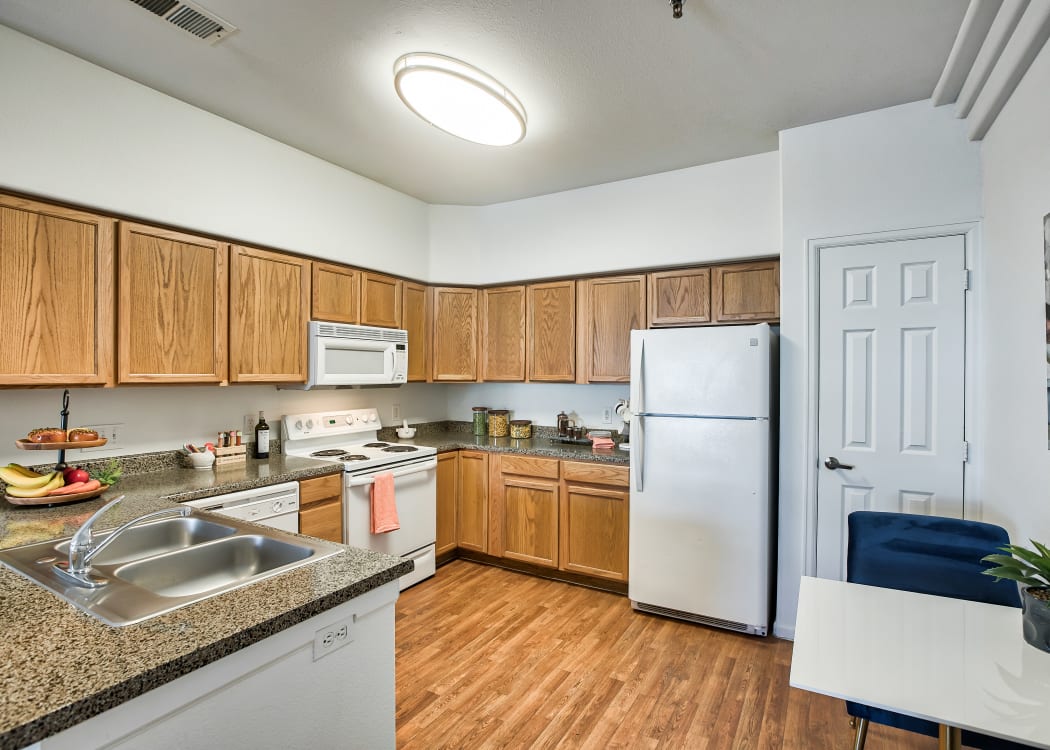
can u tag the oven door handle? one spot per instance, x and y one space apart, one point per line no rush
414 469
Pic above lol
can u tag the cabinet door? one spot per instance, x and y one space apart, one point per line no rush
680 298
269 312
746 292
447 491
530 520
56 295
380 300
608 310
336 293
551 331
503 333
415 319
594 530
472 510
455 334
172 317
323 520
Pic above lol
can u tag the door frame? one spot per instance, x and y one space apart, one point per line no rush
970 232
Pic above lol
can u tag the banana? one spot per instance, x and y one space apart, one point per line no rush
54 484
15 479
23 470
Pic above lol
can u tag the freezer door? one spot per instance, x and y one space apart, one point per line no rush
718 371
701 526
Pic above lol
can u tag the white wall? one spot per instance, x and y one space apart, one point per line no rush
75 132
897 168
712 212
1012 402
540 402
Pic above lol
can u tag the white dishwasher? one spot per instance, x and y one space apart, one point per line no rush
276 505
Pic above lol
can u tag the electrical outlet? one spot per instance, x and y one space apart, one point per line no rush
111 432
395 412
336 635
606 416
248 431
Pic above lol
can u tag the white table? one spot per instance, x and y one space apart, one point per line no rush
961 664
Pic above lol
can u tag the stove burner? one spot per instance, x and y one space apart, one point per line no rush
375 445
353 457
400 449
329 452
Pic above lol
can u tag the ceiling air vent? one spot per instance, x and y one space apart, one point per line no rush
191 18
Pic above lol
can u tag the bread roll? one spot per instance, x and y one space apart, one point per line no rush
47 435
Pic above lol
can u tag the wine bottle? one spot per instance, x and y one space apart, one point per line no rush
262 438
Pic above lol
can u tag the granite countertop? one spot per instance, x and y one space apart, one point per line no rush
61 666
449 439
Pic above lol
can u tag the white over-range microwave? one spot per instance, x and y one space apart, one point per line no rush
346 355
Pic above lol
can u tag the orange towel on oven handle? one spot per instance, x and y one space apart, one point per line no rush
384 506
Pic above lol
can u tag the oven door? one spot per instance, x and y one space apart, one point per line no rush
415 493
345 361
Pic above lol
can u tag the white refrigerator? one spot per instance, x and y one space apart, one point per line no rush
701 507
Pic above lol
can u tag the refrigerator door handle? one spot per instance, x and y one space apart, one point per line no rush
638 374
638 452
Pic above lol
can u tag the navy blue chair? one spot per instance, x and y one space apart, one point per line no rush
927 555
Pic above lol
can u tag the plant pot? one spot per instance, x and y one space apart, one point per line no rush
1036 616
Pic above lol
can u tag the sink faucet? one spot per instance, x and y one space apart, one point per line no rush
82 547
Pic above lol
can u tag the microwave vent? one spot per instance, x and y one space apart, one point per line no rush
190 17
369 333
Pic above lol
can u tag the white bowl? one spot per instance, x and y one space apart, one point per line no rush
202 460
406 432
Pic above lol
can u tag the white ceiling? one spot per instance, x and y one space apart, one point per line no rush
613 88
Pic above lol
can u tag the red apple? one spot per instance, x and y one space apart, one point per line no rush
75 474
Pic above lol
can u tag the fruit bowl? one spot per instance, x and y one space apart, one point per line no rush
57 499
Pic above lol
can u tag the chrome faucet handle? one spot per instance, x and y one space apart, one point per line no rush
81 542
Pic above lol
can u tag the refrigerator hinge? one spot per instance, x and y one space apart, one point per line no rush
966 280
965 451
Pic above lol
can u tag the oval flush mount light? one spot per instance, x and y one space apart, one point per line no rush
459 99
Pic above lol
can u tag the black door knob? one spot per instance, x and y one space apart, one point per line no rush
833 463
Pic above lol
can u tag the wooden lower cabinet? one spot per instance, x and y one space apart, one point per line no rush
321 507
529 506
594 526
472 501
447 492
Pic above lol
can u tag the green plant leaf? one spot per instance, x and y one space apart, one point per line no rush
1043 549
1013 574
1036 560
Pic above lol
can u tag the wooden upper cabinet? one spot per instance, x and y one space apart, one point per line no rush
336 293
551 331
415 320
56 295
454 338
746 292
680 298
172 311
269 312
608 309
380 300
503 333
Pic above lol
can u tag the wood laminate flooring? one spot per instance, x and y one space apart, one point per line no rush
489 658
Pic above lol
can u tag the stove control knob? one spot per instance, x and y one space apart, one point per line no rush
373 417
309 424
299 424
350 420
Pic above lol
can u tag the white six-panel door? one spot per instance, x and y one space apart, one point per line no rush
890 402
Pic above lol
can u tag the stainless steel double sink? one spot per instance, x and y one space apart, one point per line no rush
159 566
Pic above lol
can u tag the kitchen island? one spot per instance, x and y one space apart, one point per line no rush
63 667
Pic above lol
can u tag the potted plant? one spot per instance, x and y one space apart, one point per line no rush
1032 570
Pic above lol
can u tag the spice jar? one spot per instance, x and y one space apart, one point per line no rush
521 429
498 422
563 424
481 415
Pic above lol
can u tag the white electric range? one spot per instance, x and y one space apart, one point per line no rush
350 436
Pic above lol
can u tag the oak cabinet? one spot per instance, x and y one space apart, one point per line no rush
679 298
415 319
56 295
321 507
595 502
380 300
746 292
608 309
454 337
528 503
551 331
269 312
172 312
447 493
503 333
336 296
472 501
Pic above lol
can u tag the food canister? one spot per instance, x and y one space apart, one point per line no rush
481 415
498 422
521 429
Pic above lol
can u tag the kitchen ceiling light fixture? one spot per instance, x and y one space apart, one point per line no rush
460 99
